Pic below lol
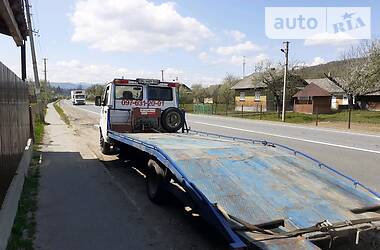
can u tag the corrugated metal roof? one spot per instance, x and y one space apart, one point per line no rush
326 84
375 93
249 82
17 7
312 90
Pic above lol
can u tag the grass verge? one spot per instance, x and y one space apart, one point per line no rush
357 116
24 227
61 113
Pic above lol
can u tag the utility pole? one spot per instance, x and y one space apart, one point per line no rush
162 75
286 52
243 66
34 61
45 72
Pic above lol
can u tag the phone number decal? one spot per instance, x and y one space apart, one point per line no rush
142 103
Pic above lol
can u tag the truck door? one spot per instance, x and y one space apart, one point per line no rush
104 111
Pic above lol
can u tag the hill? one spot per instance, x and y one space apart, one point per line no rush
70 85
317 71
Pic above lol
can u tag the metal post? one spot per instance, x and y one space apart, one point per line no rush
243 66
242 111
316 121
31 124
349 118
261 111
45 73
286 52
162 75
23 62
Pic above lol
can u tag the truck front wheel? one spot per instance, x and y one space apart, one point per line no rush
157 179
105 147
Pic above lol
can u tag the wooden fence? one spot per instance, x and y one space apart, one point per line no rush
14 124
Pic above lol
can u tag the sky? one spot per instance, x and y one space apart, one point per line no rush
198 41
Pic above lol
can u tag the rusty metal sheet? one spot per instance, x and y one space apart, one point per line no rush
259 183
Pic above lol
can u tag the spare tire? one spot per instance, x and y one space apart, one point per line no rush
172 119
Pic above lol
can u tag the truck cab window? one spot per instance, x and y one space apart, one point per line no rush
128 92
105 97
160 93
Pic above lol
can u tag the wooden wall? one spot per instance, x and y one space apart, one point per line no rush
14 124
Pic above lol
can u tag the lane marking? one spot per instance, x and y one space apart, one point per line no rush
87 110
292 138
286 125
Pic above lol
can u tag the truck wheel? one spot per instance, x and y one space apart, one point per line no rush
156 183
104 146
172 119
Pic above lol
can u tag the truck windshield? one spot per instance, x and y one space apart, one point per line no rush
79 96
128 92
160 93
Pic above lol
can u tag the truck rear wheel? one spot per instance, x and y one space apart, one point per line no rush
157 179
172 119
105 147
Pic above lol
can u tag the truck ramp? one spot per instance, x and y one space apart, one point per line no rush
259 183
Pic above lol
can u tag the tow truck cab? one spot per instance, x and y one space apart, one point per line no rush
139 105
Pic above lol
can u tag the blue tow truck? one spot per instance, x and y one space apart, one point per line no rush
256 194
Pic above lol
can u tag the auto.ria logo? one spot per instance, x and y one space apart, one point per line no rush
318 22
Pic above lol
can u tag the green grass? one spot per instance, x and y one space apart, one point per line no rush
24 227
38 132
357 116
61 113
291 117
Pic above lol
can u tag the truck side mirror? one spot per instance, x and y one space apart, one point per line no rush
98 101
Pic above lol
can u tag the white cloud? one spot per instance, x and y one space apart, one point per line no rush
130 25
203 56
239 49
338 39
238 36
76 71
232 60
317 60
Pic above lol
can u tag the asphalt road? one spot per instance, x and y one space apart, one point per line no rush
98 201
355 154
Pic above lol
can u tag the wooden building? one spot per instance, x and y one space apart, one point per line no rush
251 94
339 99
312 99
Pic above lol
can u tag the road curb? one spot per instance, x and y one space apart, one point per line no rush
10 204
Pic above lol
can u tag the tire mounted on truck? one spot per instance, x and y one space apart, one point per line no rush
172 119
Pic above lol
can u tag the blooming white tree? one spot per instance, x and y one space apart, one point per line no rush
360 74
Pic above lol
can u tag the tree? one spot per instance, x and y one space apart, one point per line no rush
360 74
213 92
272 75
94 90
226 94
185 95
199 93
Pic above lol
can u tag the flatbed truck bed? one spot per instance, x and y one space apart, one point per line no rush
263 195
